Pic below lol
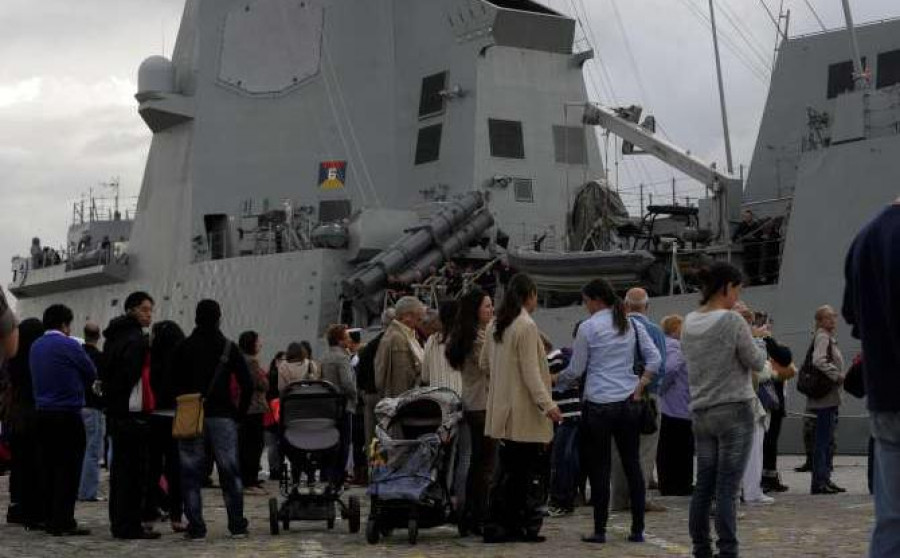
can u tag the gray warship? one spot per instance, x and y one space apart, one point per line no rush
312 158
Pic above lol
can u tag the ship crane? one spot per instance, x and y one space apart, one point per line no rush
726 190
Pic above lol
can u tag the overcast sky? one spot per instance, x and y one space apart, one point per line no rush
68 119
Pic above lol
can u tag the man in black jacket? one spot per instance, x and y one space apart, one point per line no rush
129 399
196 364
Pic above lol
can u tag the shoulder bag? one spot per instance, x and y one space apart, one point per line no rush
189 414
649 420
812 382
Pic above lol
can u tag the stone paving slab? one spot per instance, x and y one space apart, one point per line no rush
798 525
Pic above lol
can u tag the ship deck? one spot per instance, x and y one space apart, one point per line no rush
797 525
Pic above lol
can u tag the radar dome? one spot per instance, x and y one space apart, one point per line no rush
156 75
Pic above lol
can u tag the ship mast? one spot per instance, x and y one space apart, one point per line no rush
860 79
712 19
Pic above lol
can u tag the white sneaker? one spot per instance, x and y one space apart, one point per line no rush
762 500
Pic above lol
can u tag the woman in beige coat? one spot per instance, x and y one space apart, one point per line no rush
519 414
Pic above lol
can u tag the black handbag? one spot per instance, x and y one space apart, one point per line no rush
649 419
812 382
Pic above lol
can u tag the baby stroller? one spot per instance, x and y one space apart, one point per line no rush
418 462
311 415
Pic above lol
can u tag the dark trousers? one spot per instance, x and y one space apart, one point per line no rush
129 474
25 505
481 467
163 462
603 423
339 460
360 463
809 435
823 454
61 442
675 458
565 475
519 489
251 441
770 444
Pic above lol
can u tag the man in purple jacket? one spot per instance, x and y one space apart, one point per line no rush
61 373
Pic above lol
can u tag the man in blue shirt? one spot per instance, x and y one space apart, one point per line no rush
637 302
61 373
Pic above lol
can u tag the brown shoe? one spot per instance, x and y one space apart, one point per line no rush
655 507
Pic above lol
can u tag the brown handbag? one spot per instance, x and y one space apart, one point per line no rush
189 413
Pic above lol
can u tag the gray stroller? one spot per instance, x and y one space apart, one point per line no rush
310 422
418 463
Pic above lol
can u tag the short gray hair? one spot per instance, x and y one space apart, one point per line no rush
636 299
408 305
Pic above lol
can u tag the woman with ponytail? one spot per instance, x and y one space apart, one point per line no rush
519 414
464 343
720 353
616 359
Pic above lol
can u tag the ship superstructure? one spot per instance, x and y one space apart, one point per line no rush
295 139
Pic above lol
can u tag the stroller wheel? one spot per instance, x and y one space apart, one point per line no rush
353 514
273 516
372 532
413 531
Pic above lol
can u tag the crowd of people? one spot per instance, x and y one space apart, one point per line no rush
629 407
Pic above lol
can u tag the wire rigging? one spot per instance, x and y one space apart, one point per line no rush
815 15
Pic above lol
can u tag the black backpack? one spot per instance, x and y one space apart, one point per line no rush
365 367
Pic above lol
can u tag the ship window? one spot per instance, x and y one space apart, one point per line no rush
217 235
431 102
428 146
568 144
334 210
506 139
523 189
840 78
888 69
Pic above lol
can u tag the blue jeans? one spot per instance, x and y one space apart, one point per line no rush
566 464
95 434
222 433
723 436
822 457
886 535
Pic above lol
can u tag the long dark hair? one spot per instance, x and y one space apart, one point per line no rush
461 337
600 289
166 337
716 278
519 289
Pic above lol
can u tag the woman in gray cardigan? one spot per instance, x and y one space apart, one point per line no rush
827 359
720 353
